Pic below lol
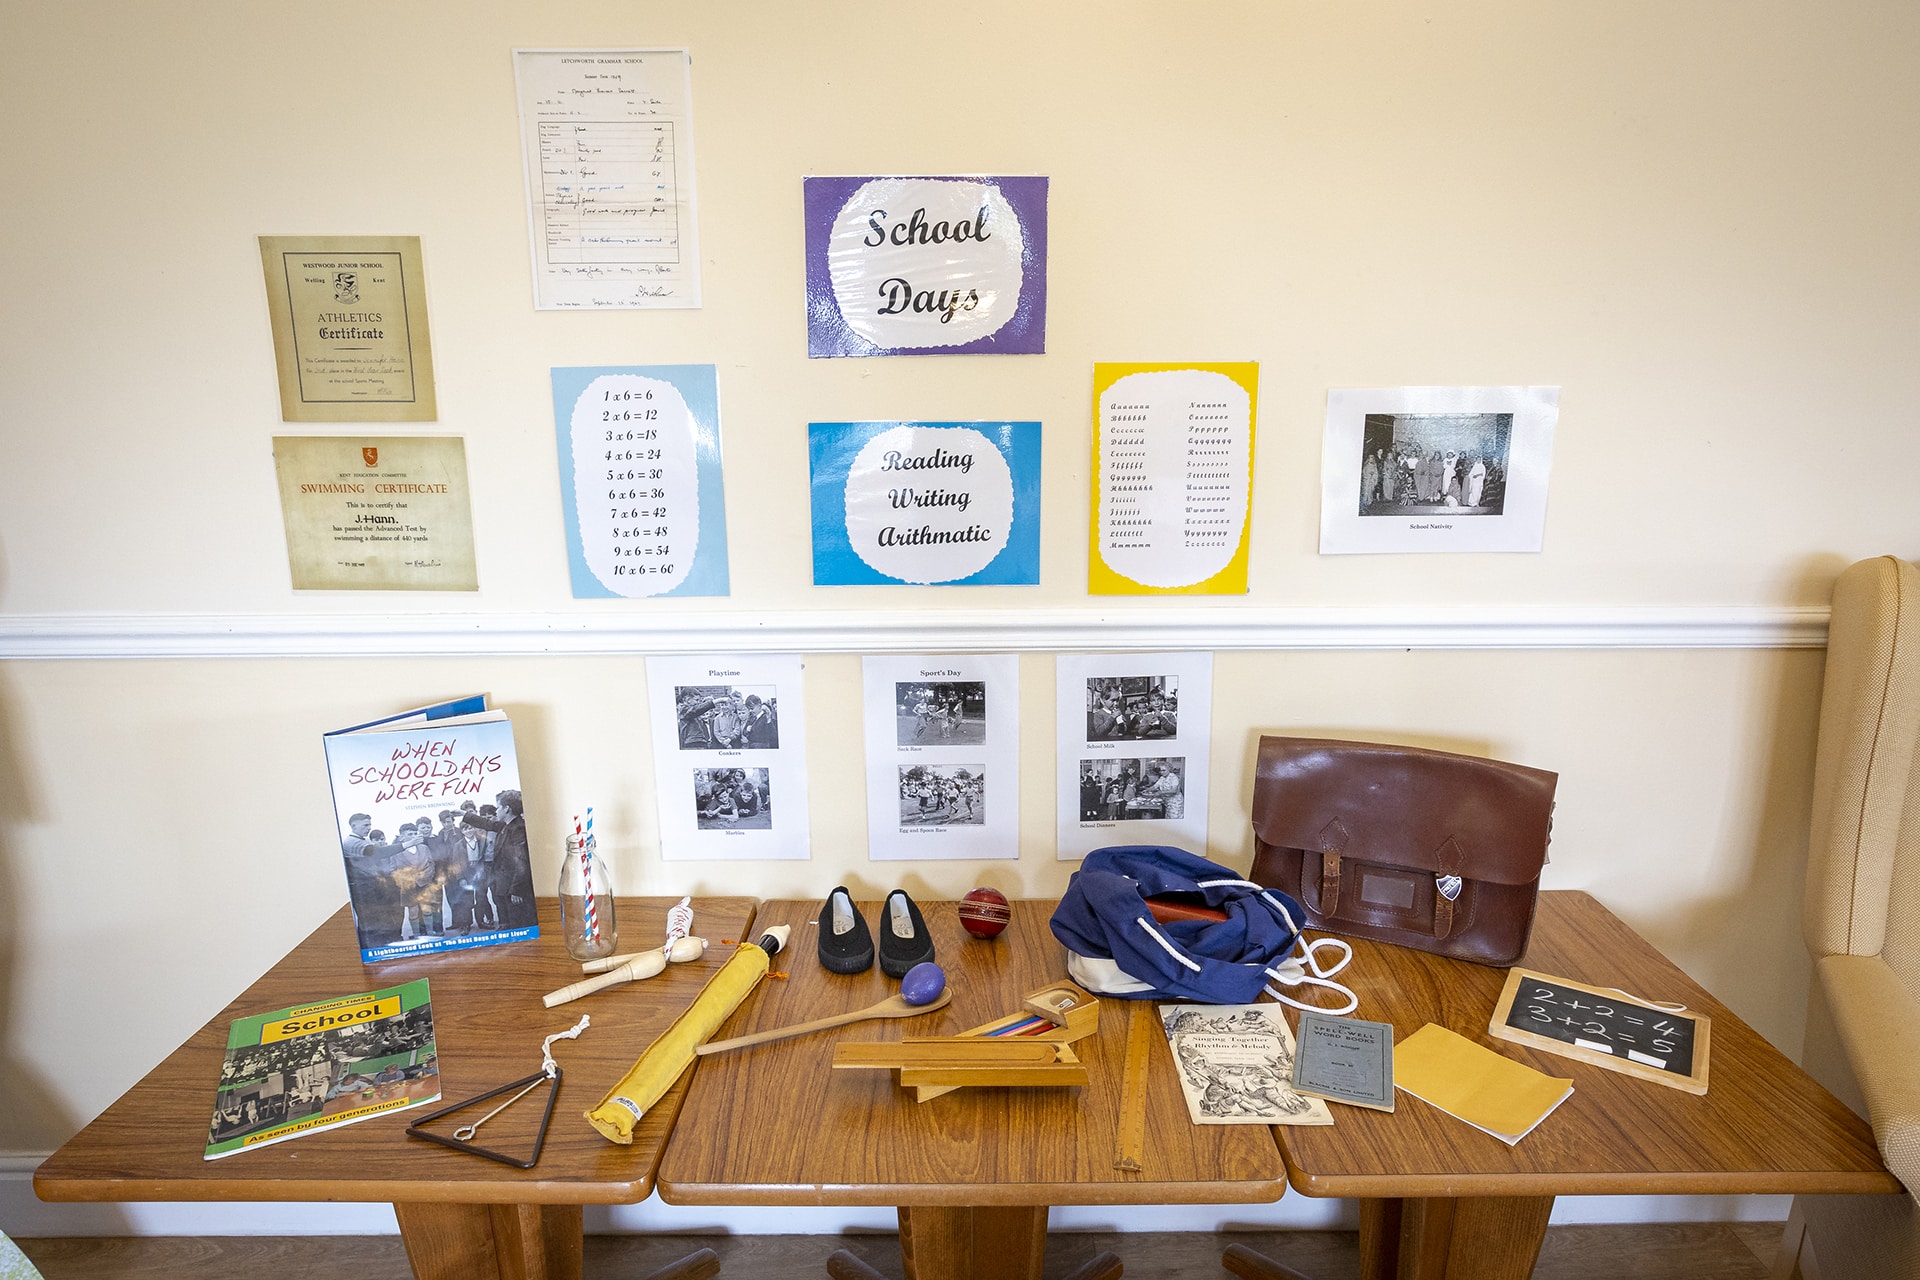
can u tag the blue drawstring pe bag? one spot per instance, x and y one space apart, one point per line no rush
1116 947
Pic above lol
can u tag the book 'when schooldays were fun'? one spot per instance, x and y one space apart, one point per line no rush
432 829
315 1066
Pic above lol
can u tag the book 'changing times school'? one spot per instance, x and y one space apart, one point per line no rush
314 1066
432 830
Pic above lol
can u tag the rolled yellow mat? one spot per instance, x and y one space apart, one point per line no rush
672 1051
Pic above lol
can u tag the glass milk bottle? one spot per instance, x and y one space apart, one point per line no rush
586 901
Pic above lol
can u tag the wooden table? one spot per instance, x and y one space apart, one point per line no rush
972 1173
462 1217
1442 1199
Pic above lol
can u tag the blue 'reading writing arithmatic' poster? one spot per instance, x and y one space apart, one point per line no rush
926 503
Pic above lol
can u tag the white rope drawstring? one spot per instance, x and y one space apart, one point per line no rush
1318 977
1312 950
1312 972
1285 915
1353 1001
1168 946
1279 908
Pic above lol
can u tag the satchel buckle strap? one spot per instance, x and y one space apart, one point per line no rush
1446 887
1333 839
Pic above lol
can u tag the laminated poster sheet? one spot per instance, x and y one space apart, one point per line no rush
1172 478
926 266
1133 736
729 756
943 757
1436 468
926 503
641 481
606 137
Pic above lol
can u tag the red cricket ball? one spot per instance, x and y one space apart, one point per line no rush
984 913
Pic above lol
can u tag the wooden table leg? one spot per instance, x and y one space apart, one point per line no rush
1379 1248
1380 1239
489 1241
1469 1238
511 1242
999 1243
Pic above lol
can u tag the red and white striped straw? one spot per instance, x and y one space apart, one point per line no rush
586 875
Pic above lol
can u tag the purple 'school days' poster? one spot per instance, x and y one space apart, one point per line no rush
926 266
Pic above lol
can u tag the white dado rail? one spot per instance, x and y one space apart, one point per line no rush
180 635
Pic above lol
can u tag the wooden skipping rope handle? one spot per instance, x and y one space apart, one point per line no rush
644 964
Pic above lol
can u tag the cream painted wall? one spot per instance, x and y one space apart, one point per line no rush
1698 220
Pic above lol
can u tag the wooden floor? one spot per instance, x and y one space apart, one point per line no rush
1705 1251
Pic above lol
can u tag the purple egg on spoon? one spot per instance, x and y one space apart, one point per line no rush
923 983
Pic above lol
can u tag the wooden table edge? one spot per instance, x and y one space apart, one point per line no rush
973 1194
1462 1186
372 1191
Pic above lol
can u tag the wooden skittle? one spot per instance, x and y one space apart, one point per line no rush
682 950
641 964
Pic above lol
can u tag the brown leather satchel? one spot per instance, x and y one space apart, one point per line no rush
1425 849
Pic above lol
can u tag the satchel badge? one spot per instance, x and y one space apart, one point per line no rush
1449 886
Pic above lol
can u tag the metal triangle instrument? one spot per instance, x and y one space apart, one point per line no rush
525 1085
462 1139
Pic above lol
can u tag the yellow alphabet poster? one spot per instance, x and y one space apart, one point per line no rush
1172 478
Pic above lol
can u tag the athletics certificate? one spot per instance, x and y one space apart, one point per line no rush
349 328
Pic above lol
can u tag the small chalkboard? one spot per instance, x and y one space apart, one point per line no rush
1605 1028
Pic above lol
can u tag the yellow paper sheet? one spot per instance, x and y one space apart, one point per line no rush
1493 1094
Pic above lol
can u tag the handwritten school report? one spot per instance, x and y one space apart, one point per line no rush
606 136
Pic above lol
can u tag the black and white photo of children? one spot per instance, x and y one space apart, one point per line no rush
449 873
1451 464
943 795
1132 790
946 713
726 717
325 1072
1132 708
732 799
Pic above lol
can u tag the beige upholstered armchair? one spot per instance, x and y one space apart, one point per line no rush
1862 921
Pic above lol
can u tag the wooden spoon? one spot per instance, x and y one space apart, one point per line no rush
892 1007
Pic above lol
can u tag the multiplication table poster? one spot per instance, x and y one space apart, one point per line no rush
1172 478
640 480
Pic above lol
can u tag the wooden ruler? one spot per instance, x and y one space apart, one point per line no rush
1130 1135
